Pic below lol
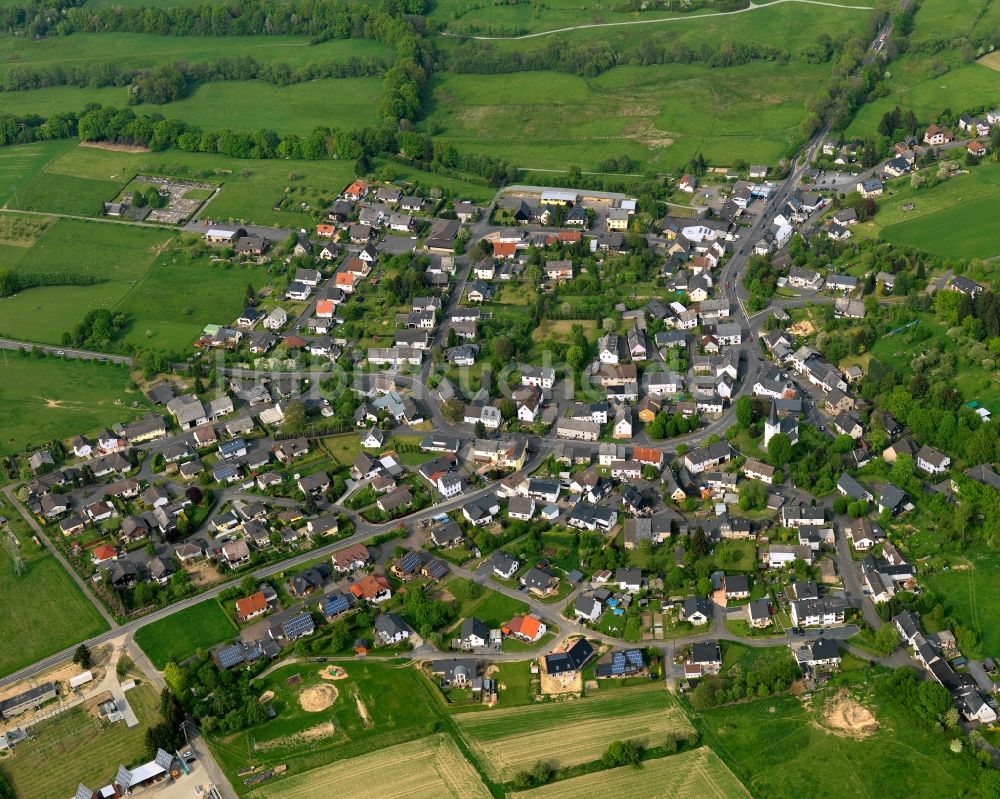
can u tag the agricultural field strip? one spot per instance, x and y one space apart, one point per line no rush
751 7
690 775
505 739
427 768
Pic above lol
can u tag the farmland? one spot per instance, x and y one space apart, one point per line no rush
180 635
950 219
659 114
46 611
74 747
571 733
42 399
780 751
690 775
19 165
117 255
286 109
423 769
137 50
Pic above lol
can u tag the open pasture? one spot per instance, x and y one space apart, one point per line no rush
47 398
658 114
427 768
119 255
913 85
20 164
138 50
690 775
771 22
46 611
211 106
969 592
569 733
168 317
781 751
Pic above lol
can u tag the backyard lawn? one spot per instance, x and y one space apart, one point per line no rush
50 398
45 611
180 635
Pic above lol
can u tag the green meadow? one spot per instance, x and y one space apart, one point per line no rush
136 50
118 254
48 398
179 636
780 750
970 591
297 108
180 295
45 610
954 219
659 114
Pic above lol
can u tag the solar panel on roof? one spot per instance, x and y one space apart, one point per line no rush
231 656
298 625
634 656
334 605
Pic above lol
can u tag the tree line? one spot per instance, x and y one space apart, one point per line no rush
12 282
319 19
592 58
101 75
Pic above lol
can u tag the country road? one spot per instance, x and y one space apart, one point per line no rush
752 7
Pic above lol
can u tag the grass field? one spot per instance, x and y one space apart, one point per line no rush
73 748
397 702
64 194
211 106
250 188
952 219
118 254
969 593
658 114
914 86
569 733
19 165
179 636
424 769
780 752
136 50
47 398
165 316
45 610
787 25
22 230
697 774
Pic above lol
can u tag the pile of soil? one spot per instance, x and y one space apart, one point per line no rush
317 697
